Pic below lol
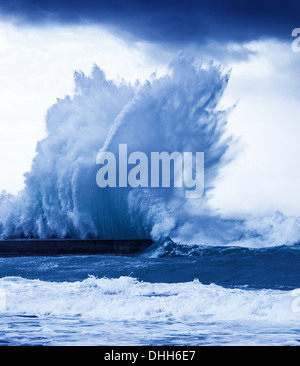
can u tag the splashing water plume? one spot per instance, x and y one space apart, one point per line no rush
176 112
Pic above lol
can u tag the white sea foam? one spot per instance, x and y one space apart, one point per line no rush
126 299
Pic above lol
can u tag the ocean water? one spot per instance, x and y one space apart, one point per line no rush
181 296
207 280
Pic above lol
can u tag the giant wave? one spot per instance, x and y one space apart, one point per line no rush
175 112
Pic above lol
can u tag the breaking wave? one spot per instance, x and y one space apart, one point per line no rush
176 112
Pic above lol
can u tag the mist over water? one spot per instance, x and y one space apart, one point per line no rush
176 112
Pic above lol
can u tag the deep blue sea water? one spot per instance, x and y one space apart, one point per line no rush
169 295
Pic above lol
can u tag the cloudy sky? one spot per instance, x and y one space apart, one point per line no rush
42 43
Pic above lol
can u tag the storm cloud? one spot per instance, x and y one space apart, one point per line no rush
166 21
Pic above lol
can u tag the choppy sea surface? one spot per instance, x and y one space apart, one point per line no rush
169 295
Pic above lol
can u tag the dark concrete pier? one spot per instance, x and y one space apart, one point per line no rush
54 247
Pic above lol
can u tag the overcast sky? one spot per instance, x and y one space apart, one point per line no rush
42 43
167 20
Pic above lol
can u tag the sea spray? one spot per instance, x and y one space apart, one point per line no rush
176 112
